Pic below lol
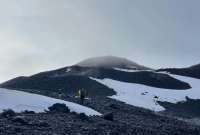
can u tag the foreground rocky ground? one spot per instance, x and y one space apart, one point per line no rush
128 120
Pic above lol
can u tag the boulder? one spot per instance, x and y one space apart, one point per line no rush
83 117
21 120
109 116
59 108
8 113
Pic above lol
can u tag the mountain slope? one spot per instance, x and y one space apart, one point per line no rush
66 81
148 97
193 71
64 85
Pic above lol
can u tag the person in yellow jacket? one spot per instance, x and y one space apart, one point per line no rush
81 95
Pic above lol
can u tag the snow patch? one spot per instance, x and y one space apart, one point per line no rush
147 97
68 70
21 101
126 70
132 70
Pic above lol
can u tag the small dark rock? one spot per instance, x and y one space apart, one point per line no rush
59 108
74 113
114 106
28 112
109 116
43 124
8 113
21 120
83 117
156 97
17 129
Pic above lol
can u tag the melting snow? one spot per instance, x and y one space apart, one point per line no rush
131 70
147 97
126 70
68 70
20 101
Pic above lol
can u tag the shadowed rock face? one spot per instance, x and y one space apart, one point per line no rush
67 85
186 109
193 71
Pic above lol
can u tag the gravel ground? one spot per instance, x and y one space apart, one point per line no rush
128 120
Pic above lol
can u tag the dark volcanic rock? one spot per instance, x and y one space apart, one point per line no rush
129 120
109 116
193 71
187 109
82 116
28 112
149 78
62 85
20 119
59 108
41 123
8 113
114 106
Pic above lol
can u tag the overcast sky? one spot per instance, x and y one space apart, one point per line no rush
39 35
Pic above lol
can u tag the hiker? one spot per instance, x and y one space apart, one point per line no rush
81 94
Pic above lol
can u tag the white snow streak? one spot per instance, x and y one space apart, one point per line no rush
146 96
20 101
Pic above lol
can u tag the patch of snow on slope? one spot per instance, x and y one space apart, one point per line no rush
126 70
68 70
131 70
20 101
147 97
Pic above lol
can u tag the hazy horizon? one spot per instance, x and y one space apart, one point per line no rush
40 35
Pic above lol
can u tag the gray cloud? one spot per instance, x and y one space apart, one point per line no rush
38 35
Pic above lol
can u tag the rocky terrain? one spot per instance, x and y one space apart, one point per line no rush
126 120
192 71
